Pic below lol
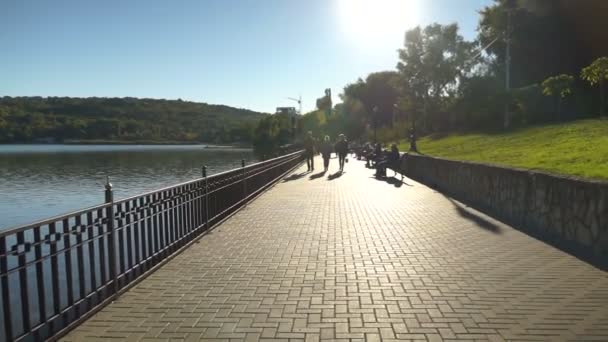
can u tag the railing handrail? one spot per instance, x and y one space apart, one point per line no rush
22 227
211 177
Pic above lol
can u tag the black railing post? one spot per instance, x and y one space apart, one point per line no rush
206 198
244 179
109 194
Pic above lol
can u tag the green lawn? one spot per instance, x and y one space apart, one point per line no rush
579 148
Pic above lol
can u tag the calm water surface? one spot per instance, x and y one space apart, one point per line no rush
40 181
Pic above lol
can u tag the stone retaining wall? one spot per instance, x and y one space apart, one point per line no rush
568 212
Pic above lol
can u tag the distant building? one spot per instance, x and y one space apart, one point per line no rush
290 111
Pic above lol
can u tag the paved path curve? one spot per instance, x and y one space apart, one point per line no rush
354 258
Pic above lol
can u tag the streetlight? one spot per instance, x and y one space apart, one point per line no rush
511 7
413 147
412 136
375 122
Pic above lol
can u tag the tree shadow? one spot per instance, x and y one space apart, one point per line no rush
479 221
394 181
338 174
317 175
296 176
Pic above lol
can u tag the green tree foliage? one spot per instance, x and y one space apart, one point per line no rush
597 73
432 62
548 37
380 90
535 25
271 133
479 104
559 87
27 119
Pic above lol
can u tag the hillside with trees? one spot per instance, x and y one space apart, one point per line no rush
65 119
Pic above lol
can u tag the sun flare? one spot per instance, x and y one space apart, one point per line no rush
377 22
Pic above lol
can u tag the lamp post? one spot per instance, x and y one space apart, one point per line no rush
375 122
413 147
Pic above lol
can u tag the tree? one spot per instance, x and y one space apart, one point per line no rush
597 73
23 119
560 87
270 134
534 26
431 64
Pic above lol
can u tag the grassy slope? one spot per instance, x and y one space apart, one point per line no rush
579 148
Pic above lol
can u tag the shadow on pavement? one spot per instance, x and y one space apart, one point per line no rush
473 217
338 174
397 183
317 175
296 176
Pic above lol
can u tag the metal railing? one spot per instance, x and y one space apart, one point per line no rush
57 272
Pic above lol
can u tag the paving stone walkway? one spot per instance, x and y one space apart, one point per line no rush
351 258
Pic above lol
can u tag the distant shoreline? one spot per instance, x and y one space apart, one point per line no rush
133 142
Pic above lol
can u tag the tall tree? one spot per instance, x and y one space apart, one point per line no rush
548 37
431 64
597 73
373 98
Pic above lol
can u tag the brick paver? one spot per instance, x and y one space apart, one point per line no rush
354 258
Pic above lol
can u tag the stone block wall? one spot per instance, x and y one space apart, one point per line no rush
568 212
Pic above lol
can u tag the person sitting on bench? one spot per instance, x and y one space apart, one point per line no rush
375 156
391 161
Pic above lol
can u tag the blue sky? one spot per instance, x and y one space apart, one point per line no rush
243 53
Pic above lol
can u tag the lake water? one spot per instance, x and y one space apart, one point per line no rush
40 181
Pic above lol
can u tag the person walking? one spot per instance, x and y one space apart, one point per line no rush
342 150
326 149
309 151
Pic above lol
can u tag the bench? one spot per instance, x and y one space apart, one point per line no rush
399 166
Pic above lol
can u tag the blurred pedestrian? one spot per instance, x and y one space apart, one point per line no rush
326 150
342 150
309 151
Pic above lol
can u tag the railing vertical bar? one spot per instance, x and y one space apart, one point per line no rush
164 230
128 230
243 175
197 205
156 223
142 229
121 230
182 215
101 247
188 211
206 198
68 267
6 299
25 303
53 240
92 261
39 275
175 210
111 238
171 214
194 206
149 215
80 261
191 210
